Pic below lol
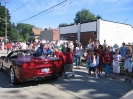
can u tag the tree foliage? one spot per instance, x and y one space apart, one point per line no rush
82 16
63 24
2 22
24 31
85 16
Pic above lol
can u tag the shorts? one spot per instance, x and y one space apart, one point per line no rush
100 65
68 68
92 69
107 69
8 49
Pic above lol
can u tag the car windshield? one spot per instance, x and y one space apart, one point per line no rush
27 52
24 53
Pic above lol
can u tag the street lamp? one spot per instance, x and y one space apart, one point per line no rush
5 29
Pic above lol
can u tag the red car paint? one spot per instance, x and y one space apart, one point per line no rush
44 66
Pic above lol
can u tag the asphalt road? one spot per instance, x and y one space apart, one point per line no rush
79 87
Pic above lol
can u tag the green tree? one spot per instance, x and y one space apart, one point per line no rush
85 16
14 33
63 25
72 23
24 30
2 22
98 17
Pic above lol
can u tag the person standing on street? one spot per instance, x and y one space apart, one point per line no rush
3 45
8 45
100 53
107 59
127 65
116 64
78 55
69 63
92 66
122 53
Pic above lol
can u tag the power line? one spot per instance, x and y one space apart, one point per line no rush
45 10
21 6
52 10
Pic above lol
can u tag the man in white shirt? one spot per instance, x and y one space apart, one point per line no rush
23 45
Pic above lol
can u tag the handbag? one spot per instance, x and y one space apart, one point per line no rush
107 69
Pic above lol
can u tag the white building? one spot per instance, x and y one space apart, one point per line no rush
112 32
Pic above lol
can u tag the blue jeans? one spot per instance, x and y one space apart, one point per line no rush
77 60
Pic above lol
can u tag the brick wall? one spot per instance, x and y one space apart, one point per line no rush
84 37
55 34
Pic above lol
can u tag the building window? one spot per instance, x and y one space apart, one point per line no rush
95 33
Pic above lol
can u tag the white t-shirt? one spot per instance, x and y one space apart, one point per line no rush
89 46
79 51
116 58
93 64
23 45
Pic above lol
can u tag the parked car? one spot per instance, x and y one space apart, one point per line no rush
22 66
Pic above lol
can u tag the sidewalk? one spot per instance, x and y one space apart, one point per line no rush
122 72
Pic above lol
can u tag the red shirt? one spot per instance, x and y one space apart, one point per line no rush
69 58
101 54
108 58
57 53
8 45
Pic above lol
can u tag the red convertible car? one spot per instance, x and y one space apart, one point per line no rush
22 66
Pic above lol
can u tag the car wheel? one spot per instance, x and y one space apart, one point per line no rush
1 66
55 77
13 77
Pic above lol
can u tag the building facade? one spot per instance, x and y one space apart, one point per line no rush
50 35
35 35
112 32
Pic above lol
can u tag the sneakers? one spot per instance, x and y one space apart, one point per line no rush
96 78
130 81
89 77
126 80
73 75
101 74
65 76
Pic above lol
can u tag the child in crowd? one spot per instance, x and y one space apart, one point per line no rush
116 64
93 65
88 60
127 65
107 59
100 53
69 63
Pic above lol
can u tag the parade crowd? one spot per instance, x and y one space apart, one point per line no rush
98 56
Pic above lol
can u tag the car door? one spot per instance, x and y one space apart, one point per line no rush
7 62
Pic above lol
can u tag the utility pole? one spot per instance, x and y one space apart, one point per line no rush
5 20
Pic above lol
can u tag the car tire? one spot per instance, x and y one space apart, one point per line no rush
55 77
1 65
13 76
